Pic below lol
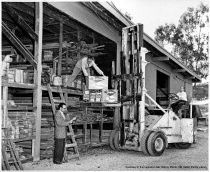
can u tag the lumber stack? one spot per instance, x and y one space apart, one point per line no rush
22 125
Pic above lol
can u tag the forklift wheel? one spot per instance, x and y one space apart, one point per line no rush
117 140
111 139
144 141
182 145
157 143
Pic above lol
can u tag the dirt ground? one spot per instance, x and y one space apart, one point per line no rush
104 159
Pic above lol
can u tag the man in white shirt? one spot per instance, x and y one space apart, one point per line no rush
83 65
182 95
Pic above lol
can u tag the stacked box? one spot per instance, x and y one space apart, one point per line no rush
48 55
105 96
79 84
16 75
98 94
97 82
86 95
22 124
92 96
11 76
110 96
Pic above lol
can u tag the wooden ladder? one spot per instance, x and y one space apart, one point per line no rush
70 134
9 156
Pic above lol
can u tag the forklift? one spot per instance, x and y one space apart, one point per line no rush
139 129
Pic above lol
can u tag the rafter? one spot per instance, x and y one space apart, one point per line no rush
163 58
18 44
179 70
18 19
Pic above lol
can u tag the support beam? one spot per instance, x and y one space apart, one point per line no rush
17 18
189 77
18 44
178 70
52 12
37 95
5 110
163 58
60 49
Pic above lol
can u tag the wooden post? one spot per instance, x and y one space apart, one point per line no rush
78 39
60 49
117 86
5 110
37 95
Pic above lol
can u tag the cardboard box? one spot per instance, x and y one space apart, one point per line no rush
110 96
64 80
92 96
18 75
98 95
48 55
97 82
11 75
86 95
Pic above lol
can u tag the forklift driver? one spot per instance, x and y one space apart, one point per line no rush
182 100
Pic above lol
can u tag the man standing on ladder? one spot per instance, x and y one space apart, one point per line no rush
84 65
61 121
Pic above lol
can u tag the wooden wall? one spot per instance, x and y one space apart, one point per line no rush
176 79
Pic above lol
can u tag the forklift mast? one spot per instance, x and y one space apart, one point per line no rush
131 82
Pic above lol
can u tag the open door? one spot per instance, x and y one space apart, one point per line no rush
162 89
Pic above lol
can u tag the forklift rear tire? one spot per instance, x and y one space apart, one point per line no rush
157 143
117 140
182 145
111 139
144 141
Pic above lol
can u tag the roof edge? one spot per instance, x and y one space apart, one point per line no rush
118 14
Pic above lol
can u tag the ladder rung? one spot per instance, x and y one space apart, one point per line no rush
70 134
58 101
79 135
71 145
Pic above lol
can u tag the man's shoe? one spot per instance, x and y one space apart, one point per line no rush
65 161
57 162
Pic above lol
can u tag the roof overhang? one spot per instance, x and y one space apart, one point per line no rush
171 59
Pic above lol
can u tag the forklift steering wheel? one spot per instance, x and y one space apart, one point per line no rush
173 96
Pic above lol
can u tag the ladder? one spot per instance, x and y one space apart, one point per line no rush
10 157
70 134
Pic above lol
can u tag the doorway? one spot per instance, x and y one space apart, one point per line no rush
162 89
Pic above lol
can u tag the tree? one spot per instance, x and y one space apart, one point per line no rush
189 39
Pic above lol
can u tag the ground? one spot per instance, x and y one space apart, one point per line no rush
105 159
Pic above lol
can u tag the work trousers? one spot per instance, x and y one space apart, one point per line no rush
76 71
59 150
177 105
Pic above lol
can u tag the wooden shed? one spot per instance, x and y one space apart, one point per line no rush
33 29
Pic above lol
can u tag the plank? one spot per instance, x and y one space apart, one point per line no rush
18 44
17 18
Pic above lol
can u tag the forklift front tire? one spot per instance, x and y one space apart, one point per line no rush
157 143
144 141
117 140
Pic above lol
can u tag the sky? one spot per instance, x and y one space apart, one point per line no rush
153 13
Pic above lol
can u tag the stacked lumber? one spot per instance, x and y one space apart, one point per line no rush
22 125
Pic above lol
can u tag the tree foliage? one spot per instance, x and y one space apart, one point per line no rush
189 39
